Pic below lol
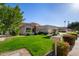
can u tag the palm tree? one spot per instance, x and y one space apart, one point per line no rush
64 23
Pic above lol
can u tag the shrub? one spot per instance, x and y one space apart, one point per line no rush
63 48
13 33
55 32
28 32
77 32
73 33
69 38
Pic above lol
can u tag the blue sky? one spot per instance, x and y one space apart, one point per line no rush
48 14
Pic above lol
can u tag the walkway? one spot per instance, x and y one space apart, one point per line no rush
75 49
20 52
3 37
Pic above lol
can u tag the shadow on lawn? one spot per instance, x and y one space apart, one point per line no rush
47 37
52 53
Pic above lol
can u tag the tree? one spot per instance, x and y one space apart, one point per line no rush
74 26
10 19
17 19
2 10
1 5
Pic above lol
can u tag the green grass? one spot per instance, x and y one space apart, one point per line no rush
36 44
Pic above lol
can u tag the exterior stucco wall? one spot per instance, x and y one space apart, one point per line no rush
23 30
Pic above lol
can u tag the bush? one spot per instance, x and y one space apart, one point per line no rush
69 38
13 33
28 32
77 32
73 33
63 48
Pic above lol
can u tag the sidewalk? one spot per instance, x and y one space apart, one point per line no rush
19 52
75 49
2 39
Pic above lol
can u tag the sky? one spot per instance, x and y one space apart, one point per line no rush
49 13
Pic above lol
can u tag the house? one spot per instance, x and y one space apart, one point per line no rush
39 28
25 27
47 28
64 29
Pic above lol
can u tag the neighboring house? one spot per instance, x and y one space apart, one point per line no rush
47 28
64 29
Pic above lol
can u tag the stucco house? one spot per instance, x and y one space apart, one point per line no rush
47 28
64 29
39 28
28 26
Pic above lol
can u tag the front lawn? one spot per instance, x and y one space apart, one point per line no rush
36 44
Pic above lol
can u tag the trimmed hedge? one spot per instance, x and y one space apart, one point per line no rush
63 48
69 38
73 33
